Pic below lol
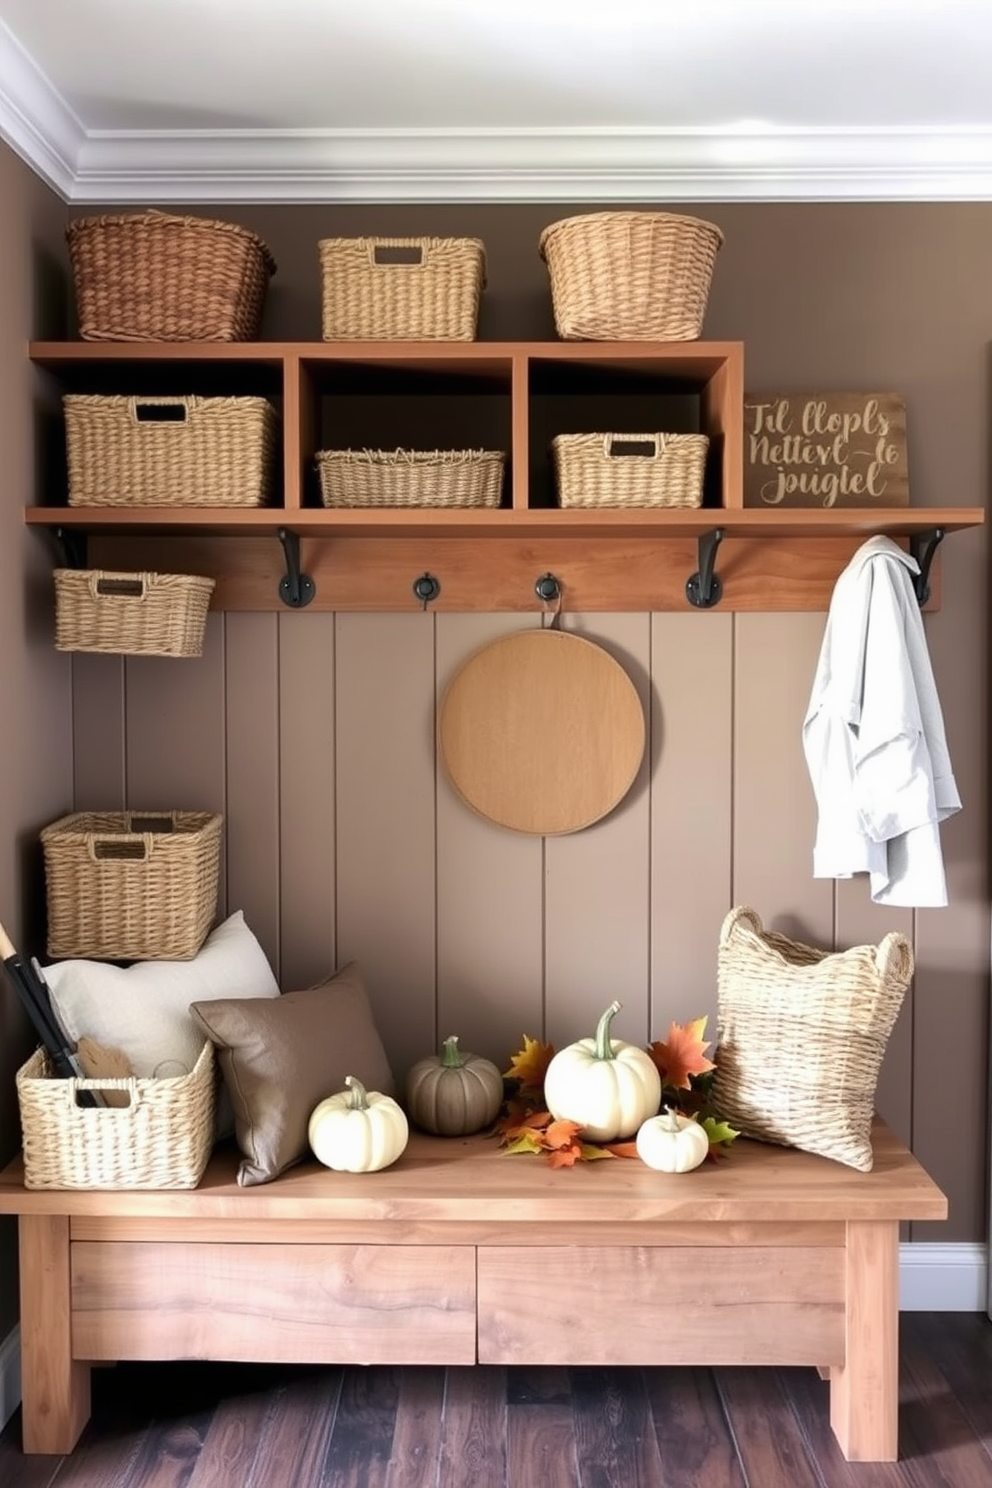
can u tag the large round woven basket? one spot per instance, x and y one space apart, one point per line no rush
630 276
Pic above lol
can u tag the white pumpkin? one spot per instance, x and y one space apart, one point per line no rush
358 1130
606 1086
672 1143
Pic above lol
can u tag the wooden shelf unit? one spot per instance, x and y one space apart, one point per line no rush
509 395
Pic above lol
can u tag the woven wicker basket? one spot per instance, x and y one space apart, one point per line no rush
182 451
801 1036
431 294
130 885
411 477
130 614
153 276
161 1138
630 276
636 470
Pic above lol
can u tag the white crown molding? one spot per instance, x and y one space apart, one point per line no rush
526 165
480 165
35 120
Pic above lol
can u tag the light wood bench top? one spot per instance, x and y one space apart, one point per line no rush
472 1181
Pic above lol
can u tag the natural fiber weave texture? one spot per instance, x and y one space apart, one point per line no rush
183 451
161 1137
155 276
411 478
630 276
433 297
130 614
801 1034
638 470
130 885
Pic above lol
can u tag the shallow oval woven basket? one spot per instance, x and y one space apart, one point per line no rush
630 276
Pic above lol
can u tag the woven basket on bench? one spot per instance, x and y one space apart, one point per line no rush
636 470
161 1138
131 885
155 276
630 276
401 289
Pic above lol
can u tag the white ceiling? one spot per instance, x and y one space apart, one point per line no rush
500 100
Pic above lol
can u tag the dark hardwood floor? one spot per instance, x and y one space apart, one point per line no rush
194 1425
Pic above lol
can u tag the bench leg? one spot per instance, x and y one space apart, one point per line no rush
55 1387
864 1390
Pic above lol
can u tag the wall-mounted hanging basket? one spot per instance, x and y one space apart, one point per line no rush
130 614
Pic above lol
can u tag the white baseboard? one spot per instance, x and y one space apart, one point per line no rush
932 1278
943 1278
10 1374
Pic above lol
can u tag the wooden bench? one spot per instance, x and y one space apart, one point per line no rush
461 1253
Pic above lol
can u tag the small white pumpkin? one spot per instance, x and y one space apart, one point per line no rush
358 1130
606 1086
672 1143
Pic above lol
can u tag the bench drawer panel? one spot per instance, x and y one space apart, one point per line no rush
661 1305
354 1304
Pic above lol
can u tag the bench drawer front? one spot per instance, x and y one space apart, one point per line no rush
354 1304
661 1305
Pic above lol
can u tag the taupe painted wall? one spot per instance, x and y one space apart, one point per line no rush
35 698
315 734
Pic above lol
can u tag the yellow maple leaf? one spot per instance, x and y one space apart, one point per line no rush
530 1064
682 1054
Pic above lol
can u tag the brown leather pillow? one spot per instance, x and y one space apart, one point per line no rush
279 1056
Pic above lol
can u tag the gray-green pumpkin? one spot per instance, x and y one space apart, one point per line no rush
453 1094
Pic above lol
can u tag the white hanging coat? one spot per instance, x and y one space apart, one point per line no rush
874 738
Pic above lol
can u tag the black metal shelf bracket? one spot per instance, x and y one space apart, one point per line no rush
72 546
923 545
703 588
296 589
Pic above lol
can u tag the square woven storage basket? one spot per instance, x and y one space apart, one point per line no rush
636 470
183 451
369 296
155 276
130 614
161 1138
408 478
630 276
131 885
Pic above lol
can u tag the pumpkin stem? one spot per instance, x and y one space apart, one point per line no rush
359 1095
450 1055
604 1048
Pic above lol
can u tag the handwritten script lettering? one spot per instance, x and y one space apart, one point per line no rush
825 449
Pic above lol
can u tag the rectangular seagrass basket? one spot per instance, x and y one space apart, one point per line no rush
131 885
182 451
157 276
130 614
630 276
411 478
401 289
161 1138
635 470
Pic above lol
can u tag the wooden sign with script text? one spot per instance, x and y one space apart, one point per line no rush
825 450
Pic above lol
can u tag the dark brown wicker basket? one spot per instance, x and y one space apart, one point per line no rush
152 276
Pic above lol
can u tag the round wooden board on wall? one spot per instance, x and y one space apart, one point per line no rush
542 732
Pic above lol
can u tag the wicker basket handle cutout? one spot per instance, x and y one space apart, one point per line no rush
110 586
156 411
412 255
633 446
137 844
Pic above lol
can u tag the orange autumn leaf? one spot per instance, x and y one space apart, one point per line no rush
621 1149
682 1054
530 1064
524 1122
561 1134
565 1157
